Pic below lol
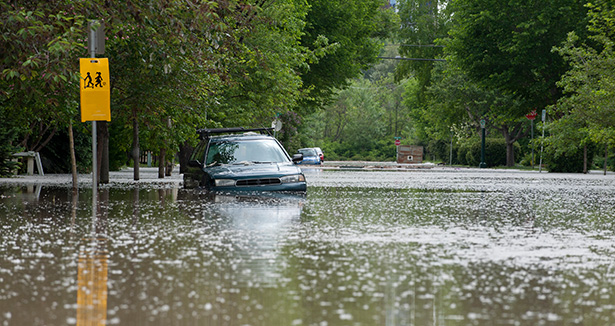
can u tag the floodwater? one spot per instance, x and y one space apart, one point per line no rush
360 248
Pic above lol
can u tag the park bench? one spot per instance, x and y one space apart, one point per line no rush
32 157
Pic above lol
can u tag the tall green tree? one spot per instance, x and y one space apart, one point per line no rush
165 61
458 103
506 47
38 82
264 76
589 84
344 38
423 22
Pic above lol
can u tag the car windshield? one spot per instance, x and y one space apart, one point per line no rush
230 151
308 152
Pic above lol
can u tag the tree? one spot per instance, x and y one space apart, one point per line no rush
38 83
507 45
423 22
589 84
264 71
343 37
505 48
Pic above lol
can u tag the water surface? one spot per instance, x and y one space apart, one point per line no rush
360 248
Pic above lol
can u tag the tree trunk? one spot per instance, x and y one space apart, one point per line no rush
135 143
606 156
161 163
511 136
73 160
103 150
510 149
185 151
510 154
168 168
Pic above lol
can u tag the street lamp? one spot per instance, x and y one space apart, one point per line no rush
482 147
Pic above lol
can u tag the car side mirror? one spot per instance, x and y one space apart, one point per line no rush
195 164
297 158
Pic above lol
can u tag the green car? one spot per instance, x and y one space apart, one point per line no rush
239 159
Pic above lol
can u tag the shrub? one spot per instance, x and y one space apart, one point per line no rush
469 152
8 134
7 165
440 150
570 161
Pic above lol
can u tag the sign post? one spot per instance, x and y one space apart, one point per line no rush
95 90
544 118
532 115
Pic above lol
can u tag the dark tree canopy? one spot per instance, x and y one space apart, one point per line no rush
508 44
344 33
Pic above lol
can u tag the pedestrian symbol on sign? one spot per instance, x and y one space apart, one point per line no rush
87 81
95 90
98 80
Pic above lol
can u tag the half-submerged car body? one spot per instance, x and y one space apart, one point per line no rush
240 159
320 153
310 156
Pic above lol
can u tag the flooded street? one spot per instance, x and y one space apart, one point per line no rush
421 247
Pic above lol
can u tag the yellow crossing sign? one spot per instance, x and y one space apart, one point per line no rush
95 89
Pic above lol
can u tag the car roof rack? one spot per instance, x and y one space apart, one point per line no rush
206 133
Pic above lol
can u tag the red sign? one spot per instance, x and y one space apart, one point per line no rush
397 142
532 115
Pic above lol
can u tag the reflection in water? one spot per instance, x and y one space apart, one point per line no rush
258 226
92 268
455 250
92 284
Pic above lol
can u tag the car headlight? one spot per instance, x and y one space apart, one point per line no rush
293 178
225 182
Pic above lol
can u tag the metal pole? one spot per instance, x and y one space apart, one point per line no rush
542 141
451 152
94 158
482 148
532 127
541 147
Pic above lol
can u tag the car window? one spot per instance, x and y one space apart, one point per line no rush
199 152
237 151
308 152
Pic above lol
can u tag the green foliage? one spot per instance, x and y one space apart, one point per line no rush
56 155
457 105
440 150
341 36
469 152
383 150
7 148
39 44
507 45
289 135
264 72
569 161
423 22
599 162
589 85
